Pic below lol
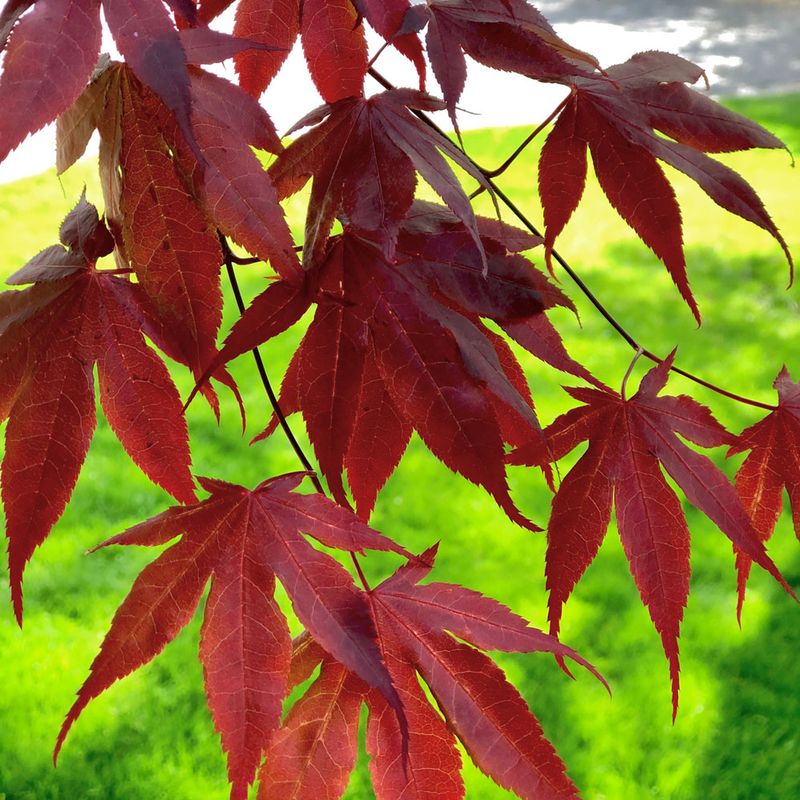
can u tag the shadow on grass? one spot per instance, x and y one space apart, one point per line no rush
756 754
751 323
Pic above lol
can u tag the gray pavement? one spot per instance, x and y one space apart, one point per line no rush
752 47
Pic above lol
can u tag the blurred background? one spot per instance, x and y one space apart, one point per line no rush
736 735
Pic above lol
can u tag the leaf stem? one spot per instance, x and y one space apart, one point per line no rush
628 373
375 57
590 296
243 259
230 261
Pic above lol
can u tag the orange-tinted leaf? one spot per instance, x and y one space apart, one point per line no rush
335 48
314 752
172 247
54 333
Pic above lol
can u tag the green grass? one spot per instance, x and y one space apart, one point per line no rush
736 737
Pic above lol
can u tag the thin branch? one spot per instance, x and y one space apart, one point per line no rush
494 173
262 372
243 260
617 326
273 400
361 576
375 57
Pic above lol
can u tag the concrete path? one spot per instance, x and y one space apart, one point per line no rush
747 46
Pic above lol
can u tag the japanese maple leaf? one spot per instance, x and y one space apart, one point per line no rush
203 45
147 38
314 752
772 464
398 347
619 118
630 440
242 540
508 35
331 33
273 22
364 155
51 336
395 21
167 207
50 54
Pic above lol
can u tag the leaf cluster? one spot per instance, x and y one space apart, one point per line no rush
418 311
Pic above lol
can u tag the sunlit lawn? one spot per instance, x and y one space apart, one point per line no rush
736 737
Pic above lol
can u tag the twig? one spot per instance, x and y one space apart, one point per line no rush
604 312
494 173
273 400
262 372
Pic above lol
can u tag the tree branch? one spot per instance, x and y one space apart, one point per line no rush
262 372
604 312
230 261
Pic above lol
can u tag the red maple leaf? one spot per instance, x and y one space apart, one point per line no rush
314 752
400 346
619 117
772 464
51 336
242 540
397 21
50 53
166 206
407 302
331 33
508 35
364 156
630 440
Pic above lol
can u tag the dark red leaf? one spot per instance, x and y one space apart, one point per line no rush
432 767
491 719
51 53
388 18
619 117
242 540
480 707
363 155
396 347
245 649
172 248
629 440
275 23
503 34
772 464
150 44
